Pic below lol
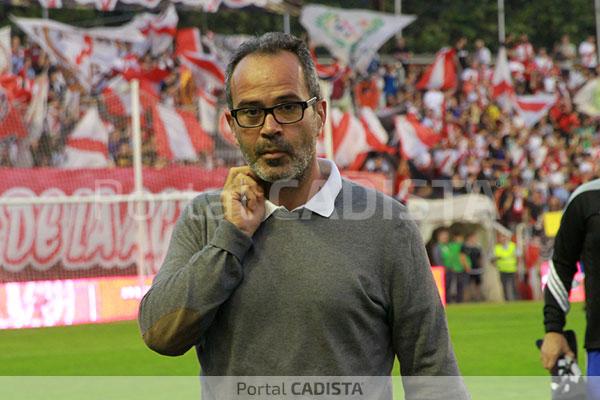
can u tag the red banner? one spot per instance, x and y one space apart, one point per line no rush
66 241
88 239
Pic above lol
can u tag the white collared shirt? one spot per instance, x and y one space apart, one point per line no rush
323 202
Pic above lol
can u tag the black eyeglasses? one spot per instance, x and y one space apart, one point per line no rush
284 113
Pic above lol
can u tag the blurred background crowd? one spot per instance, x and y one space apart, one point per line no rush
528 160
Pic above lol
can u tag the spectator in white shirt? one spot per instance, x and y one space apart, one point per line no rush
482 53
587 53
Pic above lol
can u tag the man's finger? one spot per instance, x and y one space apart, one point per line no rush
549 361
233 172
254 200
245 180
236 171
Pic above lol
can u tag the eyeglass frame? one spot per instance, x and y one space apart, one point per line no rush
270 110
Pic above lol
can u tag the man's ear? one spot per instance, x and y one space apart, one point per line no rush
229 118
321 109
231 123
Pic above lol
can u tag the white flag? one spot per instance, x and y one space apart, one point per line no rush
353 36
86 52
5 50
501 79
36 111
587 98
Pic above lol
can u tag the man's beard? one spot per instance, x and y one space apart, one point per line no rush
280 169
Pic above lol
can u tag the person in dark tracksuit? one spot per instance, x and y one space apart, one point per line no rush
578 239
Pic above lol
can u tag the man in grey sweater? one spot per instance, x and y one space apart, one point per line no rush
291 270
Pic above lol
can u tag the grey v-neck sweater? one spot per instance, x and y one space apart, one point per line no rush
306 295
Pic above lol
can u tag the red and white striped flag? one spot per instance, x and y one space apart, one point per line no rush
442 73
87 145
532 108
178 134
349 139
330 71
206 69
501 80
207 105
159 30
354 137
415 140
117 96
376 135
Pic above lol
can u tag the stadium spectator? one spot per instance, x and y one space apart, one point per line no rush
17 55
523 52
223 275
462 53
391 83
483 55
505 258
473 251
457 265
587 54
439 237
565 54
402 54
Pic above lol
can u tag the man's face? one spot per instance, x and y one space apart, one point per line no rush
275 151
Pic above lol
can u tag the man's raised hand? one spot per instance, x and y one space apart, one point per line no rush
243 200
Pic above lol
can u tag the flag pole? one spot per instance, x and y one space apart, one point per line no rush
138 183
328 128
398 11
501 25
286 23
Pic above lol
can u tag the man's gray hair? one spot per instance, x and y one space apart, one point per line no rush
273 43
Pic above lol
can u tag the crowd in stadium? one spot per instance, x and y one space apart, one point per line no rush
483 146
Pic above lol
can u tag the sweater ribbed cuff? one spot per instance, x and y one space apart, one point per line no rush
229 238
554 327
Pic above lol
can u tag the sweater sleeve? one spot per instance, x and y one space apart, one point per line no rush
567 251
419 328
197 276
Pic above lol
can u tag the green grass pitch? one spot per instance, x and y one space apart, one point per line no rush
489 340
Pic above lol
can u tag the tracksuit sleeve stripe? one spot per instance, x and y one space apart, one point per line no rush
557 288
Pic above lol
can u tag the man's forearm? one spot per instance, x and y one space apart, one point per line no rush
182 302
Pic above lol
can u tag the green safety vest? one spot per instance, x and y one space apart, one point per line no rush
506 258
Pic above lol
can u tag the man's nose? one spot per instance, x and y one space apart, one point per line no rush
271 126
